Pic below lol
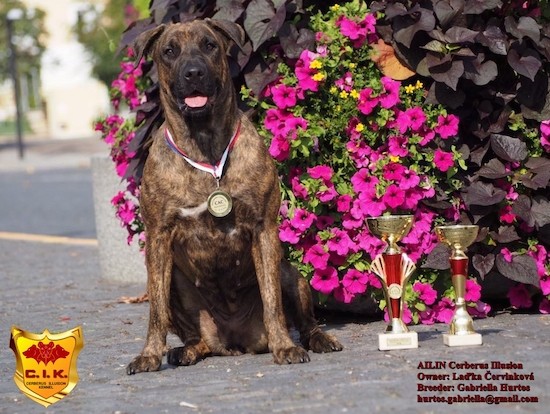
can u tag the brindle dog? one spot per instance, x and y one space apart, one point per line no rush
220 283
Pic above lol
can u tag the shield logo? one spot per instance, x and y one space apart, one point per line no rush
46 363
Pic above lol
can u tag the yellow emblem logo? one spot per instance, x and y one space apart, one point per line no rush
46 363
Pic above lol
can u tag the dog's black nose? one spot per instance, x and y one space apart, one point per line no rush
193 72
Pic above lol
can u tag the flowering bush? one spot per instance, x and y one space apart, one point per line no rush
352 143
118 132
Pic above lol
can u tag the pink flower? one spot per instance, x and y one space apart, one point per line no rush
127 212
545 135
374 281
393 196
355 281
507 215
545 284
519 296
298 189
544 306
345 83
288 234
444 310
362 180
275 120
391 96
317 257
325 280
427 294
506 254
480 310
412 118
356 31
304 73
416 118
302 219
343 203
409 179
393 171
341 294
447 126
284 96
340 242
366 103
473 291
279 148
427 316
323 172
443 160
397 146
369 204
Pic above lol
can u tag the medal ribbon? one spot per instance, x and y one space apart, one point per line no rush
217 169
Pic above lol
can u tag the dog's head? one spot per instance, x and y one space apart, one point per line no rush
191 61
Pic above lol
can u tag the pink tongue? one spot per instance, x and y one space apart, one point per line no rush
196 101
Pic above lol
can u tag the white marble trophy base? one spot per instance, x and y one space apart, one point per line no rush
405 340
462 340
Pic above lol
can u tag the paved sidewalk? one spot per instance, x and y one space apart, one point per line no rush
50 154
53 286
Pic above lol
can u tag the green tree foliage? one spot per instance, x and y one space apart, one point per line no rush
28 36
99 30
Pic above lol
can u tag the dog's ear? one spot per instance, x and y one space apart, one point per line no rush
144 42
230 30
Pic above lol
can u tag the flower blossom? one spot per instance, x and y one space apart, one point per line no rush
447 126
443 160
325 280
519 296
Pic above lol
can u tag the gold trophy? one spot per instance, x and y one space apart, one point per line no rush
459 237
394 269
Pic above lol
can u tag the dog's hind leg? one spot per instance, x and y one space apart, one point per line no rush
298 307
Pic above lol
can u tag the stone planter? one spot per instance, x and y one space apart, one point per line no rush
118 261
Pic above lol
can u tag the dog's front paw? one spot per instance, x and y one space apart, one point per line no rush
322 342
144 363
293 355
184 355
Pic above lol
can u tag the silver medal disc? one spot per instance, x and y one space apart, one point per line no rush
219 204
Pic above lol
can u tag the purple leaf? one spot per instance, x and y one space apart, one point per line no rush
406 27
448 73
505 234
525 27
457 34
522 269
522 208
482 194
526 62
262 21
481 73
483 264
509 148
446 11
540 211
495 40
229 10
479 6
438 258
493 169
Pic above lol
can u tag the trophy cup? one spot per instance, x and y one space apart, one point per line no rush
394 269
459 237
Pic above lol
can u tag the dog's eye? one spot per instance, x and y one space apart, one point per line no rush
169 52
211 46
